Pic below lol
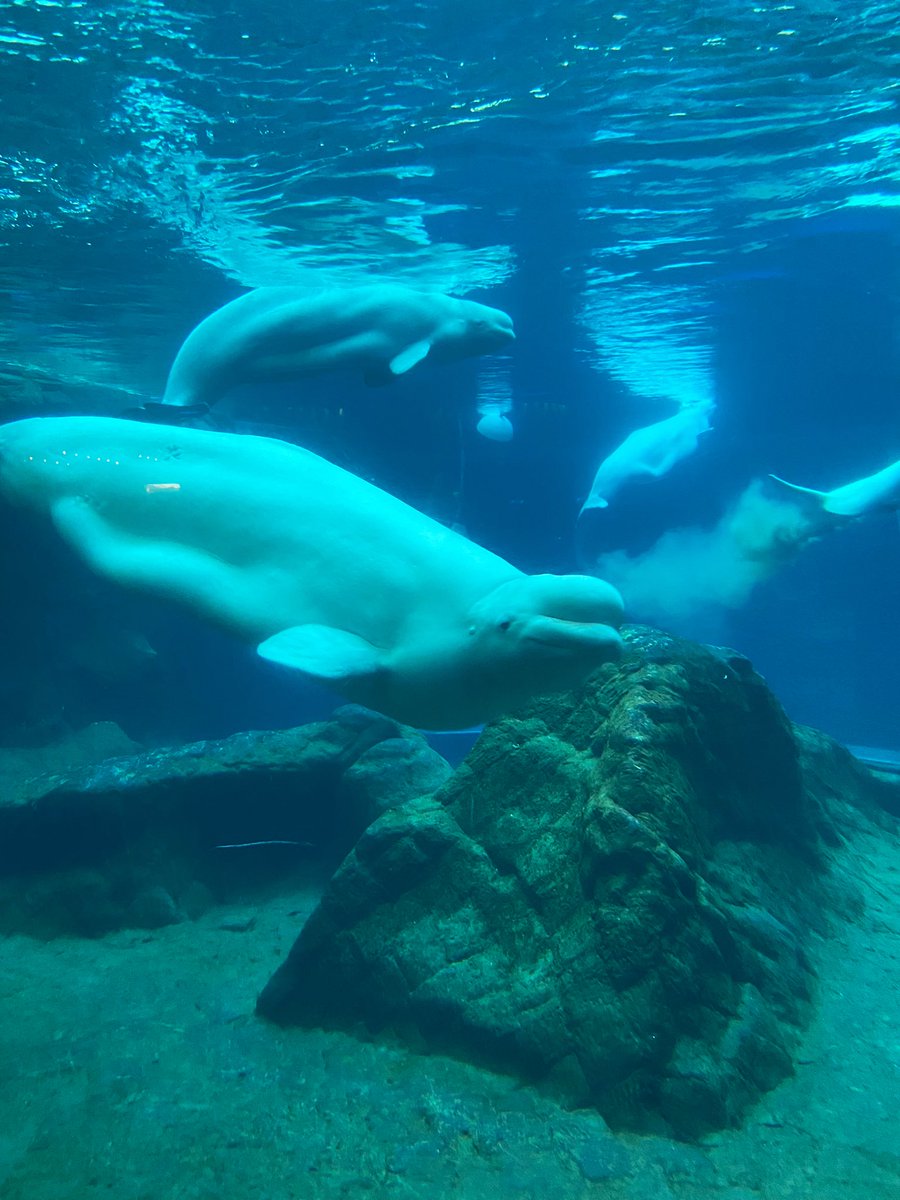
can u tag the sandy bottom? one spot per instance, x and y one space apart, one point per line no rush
133 1067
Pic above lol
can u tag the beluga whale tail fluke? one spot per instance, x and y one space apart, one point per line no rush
321 571
379 331
872 494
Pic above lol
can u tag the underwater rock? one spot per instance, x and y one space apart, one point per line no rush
132 841
843 779
22 768
609 898
391 772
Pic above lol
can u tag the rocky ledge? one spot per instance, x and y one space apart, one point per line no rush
145 839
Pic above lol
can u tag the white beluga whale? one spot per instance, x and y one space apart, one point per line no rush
319 569
495 400
380 331
874 493
649 452
495 426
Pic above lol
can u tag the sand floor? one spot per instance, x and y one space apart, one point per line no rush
133 1067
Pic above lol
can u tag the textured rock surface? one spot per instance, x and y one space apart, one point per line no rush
128 841
609 897
23 771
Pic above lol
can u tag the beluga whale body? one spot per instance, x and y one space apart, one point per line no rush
872 494
649 453
319 569
380 331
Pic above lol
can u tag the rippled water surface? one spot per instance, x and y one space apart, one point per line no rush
150 149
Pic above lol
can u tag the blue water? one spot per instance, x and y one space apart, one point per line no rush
678 203
674 202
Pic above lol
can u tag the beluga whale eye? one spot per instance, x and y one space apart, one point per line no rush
505 623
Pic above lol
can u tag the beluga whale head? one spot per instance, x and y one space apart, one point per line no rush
571 620
471 329
528 636
532 635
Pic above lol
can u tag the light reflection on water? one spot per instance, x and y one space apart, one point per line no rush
156 150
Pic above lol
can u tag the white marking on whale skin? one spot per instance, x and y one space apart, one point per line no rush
281 333
321 570
649 452
875 493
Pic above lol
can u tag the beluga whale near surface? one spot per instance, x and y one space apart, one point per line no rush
380 331
322 571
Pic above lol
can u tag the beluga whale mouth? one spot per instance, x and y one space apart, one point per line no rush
560 633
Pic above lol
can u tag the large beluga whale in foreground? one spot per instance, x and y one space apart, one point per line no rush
380 331
649 453
875 493
319 569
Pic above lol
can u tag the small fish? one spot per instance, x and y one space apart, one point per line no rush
271 842
162 487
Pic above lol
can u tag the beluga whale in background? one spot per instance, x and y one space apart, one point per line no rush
649 452
281 333
875 493
322 571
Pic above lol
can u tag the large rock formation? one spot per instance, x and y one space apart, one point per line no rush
610 897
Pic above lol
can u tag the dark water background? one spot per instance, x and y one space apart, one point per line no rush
673 201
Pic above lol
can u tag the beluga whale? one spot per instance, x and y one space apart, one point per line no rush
320 570
380 331
649 453
872 494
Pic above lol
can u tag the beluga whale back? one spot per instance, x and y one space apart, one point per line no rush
380 331
322 571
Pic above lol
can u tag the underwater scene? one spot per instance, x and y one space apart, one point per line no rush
449 490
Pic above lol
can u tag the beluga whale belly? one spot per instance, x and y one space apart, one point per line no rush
380 331
322 571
